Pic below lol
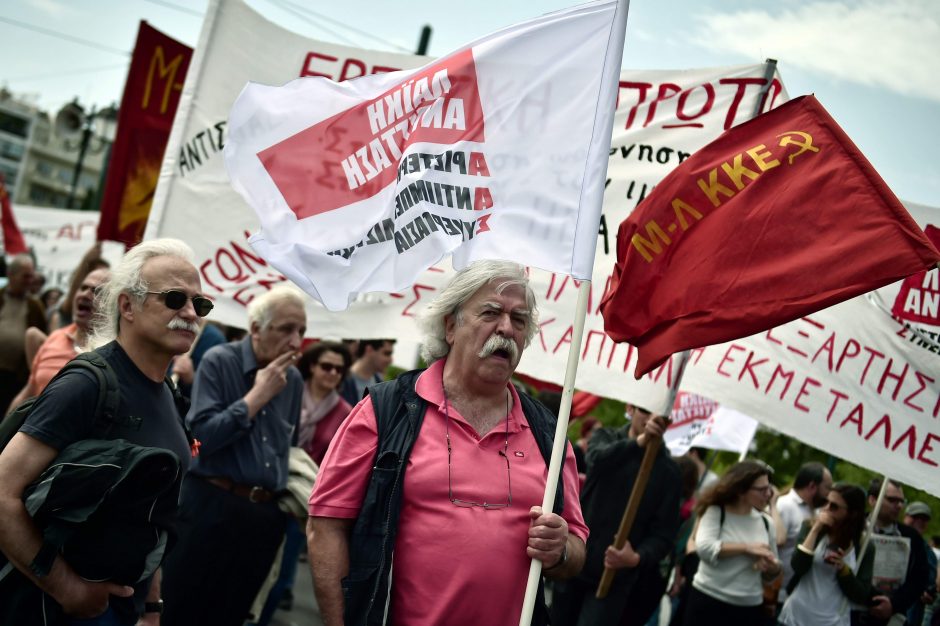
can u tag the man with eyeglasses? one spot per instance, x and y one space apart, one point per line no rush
426 508
142 325
891 596
614 456
245 409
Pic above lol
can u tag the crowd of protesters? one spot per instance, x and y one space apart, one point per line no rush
414 500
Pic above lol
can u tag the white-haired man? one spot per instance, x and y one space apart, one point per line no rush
445 469
246 403
148 314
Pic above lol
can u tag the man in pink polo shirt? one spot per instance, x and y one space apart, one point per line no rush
426 508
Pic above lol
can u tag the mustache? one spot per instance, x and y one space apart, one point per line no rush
180 324
498 342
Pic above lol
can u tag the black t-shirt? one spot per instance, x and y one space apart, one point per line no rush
65 413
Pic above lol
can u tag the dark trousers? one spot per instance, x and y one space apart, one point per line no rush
226 547
704 610
630 602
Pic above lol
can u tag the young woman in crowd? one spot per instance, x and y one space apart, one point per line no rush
323 367
826 574
737 547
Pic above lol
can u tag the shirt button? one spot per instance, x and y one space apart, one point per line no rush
267 465
263 438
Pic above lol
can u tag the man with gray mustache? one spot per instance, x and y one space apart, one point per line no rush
146 314
427 507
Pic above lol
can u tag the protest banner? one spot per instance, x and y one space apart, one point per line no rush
151 94
697 422
60 238
662 117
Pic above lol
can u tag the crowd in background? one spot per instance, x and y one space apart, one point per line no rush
738 548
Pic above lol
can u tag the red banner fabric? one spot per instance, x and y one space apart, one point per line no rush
13 242
151 94
778 217
918 299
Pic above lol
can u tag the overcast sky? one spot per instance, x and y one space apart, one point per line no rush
873 65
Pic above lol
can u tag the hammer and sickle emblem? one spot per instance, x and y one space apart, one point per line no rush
805 145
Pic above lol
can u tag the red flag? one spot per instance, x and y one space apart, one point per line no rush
777 218
13 242
153 88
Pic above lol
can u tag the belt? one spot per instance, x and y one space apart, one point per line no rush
251 493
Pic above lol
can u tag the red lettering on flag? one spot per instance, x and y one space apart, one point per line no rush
354 154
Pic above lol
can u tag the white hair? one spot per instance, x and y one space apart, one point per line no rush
261 308
433 319
127 278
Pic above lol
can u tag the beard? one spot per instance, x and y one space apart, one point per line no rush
497 343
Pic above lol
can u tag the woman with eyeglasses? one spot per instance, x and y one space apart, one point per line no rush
737 546
826 574
323 366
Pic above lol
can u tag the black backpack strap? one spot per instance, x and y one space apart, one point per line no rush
109 390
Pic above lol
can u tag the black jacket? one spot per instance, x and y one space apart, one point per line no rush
613 461
109 508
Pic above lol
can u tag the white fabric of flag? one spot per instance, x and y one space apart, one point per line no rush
496 151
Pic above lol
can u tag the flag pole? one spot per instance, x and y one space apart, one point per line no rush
597 154
639 485
560 443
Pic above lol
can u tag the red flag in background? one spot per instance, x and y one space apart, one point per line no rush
152 91
13 242
777 218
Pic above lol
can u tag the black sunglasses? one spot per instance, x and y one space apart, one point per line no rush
176 300
330 367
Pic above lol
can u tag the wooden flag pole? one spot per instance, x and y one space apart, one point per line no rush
559 445
639 485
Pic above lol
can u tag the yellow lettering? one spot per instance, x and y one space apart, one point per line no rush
643 245
759 154
158 64
737 172
679 206
712 188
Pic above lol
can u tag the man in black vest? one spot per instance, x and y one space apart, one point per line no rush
427 503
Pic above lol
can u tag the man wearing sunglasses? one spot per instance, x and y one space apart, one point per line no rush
890 597
246 401
140 328
429 495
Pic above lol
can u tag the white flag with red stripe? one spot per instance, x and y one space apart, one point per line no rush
498 150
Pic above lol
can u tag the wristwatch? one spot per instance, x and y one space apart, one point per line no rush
154 607
561 561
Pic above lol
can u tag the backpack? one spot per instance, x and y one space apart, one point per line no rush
106 408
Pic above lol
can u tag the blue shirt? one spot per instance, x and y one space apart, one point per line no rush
247 451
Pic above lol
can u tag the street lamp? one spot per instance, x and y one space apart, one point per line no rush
72 120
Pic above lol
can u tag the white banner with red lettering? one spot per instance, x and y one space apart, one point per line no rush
853 380
59 238
662 117
698 422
